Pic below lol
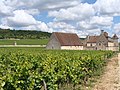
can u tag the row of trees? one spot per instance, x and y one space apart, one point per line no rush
23 34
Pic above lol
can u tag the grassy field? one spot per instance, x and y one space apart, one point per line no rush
24 42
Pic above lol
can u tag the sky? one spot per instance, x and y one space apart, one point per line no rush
84 17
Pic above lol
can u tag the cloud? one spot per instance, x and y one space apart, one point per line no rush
79 12
117 29
61 27
5 10
101 21
14 3
107 7
87 28
65 27
42 4
20 18
5 27
95 22
40 26
23 20
86 25
32 11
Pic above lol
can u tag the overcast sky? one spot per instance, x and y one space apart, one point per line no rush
79 16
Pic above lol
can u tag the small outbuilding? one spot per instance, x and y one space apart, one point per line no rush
67 41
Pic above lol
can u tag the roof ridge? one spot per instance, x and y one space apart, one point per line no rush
68 39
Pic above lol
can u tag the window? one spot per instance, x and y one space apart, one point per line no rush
99 44
96 48
91 44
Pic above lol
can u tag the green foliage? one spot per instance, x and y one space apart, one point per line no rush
23 69
23 34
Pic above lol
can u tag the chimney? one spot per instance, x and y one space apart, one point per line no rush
102 31
88 37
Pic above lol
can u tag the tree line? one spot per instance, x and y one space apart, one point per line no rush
23 34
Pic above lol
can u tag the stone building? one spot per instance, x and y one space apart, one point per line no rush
101 42
68 41
71 41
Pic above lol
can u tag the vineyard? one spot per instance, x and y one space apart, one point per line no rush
34 68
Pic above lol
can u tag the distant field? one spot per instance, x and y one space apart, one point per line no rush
24 42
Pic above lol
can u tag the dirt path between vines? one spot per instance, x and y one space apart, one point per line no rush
110 80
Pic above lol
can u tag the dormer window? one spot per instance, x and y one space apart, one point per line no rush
99 44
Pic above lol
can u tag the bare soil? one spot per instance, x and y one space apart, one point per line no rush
110 80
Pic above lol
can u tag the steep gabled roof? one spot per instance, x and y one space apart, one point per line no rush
92 39
106 34
115 36
67 39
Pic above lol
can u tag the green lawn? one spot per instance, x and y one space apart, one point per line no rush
25 42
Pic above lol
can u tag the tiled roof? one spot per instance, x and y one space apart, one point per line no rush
92 39
68 39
